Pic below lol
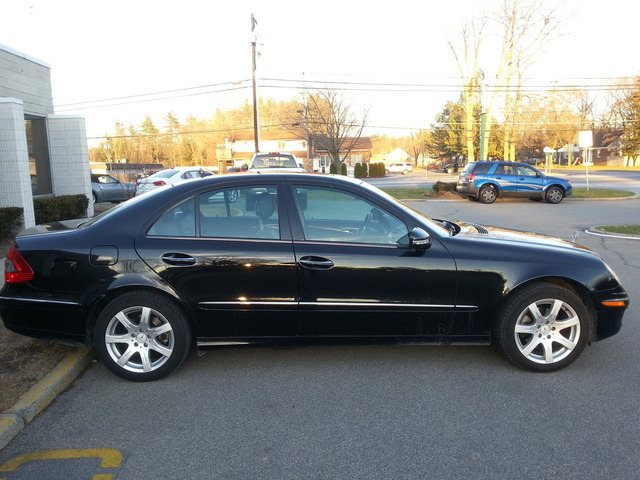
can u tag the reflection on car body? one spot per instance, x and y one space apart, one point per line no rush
299 258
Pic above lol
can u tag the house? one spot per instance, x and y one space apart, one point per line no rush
238 149
357 150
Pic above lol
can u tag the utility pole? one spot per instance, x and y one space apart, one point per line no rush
483 153
256 126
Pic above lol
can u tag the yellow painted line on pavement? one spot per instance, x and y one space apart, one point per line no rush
110 458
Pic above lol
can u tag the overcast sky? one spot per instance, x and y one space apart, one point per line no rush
111 50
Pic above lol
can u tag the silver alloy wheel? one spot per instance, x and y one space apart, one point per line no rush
554 195
139 339
547 331
488 194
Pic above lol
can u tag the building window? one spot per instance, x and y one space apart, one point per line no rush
39 162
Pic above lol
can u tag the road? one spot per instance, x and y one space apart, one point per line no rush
367 412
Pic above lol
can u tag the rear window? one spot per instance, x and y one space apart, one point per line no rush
274 160
480 167
163 174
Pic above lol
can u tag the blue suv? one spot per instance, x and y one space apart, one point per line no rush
486 181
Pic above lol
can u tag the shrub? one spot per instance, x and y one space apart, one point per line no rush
365 170
444 187
333 169
357 170
64 207
343 168
10 221
376 169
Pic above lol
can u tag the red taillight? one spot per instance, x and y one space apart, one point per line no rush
16 268
159 183
472 176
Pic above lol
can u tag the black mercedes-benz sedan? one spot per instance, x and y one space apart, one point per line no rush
298 258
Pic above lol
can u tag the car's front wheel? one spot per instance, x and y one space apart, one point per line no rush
543 327
488 194
554 195
142 336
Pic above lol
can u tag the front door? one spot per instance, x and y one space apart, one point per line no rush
356 273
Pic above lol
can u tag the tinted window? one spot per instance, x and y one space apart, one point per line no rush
328 215
180 221
480 167
240 213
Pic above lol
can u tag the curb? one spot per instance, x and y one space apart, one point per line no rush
602 233
13 420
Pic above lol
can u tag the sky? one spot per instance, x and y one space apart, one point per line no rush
119 61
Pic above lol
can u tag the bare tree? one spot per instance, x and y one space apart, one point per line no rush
527 28
333 124
467 55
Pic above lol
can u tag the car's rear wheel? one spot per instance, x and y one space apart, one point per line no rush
488 194
554 195
543 327
142 336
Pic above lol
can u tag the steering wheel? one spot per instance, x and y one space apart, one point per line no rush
375 224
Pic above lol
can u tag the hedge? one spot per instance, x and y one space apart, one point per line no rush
10 221
64 207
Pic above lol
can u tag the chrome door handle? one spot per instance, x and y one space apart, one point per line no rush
316 263
178 259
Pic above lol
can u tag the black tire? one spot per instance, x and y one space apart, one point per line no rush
139 349
95 197
488 194
543 327
554 195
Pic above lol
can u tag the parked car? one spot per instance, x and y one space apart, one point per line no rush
168 177
275 162
399 167
486 181
450 168
300 258
106 188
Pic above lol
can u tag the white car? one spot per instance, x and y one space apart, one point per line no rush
169 176
399 167
275 162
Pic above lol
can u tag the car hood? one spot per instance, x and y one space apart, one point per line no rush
501 234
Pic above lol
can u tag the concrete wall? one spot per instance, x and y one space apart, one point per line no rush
15 183
27 79
69 156
61 155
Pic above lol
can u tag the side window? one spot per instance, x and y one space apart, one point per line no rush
526 171
329 215
240 213
180 221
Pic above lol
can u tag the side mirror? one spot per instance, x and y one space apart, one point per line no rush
419 239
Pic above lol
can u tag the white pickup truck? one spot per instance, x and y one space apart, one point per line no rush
275 162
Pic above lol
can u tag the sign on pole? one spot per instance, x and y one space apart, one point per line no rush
585 140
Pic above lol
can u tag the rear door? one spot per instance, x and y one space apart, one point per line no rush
506 177
228 252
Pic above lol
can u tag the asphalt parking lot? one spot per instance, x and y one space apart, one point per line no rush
365 412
